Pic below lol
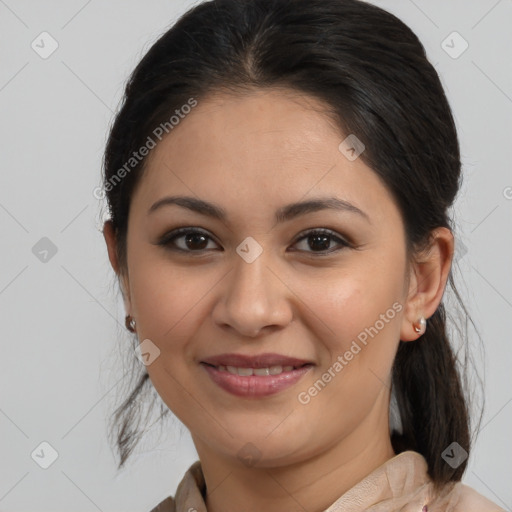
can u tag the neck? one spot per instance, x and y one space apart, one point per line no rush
312 484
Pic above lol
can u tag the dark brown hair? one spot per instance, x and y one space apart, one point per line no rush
372 72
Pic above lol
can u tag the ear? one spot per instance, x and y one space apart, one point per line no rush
428 277
111 241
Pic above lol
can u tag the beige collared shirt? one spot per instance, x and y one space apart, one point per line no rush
399 485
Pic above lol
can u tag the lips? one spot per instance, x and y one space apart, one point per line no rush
255 386
255 376
258 361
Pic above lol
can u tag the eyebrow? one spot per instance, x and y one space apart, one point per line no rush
283 214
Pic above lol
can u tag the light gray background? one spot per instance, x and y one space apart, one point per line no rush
61 321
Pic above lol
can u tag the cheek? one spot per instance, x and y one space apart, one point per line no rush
360 310
363 316
352 301
166 296
170 302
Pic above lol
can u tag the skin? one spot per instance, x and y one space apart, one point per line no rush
251 154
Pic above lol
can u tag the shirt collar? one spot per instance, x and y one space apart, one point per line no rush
400 484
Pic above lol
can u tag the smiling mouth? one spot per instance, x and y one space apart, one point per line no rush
262 372
254 383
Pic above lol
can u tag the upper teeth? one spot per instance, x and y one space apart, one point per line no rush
272 370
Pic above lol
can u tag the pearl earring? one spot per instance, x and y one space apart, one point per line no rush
129 323
421 327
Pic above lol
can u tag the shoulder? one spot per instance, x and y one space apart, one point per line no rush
189 493
463 498
470 500
166 505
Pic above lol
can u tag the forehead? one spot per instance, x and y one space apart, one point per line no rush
266 145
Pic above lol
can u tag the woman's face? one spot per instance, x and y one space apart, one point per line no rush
251 285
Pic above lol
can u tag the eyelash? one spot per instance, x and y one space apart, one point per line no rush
168 239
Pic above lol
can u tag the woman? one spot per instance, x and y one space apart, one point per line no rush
278 179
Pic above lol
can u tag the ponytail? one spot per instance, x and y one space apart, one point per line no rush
432 406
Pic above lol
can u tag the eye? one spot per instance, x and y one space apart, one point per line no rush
195 240
321 239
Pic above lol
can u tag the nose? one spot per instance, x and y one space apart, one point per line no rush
254 298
